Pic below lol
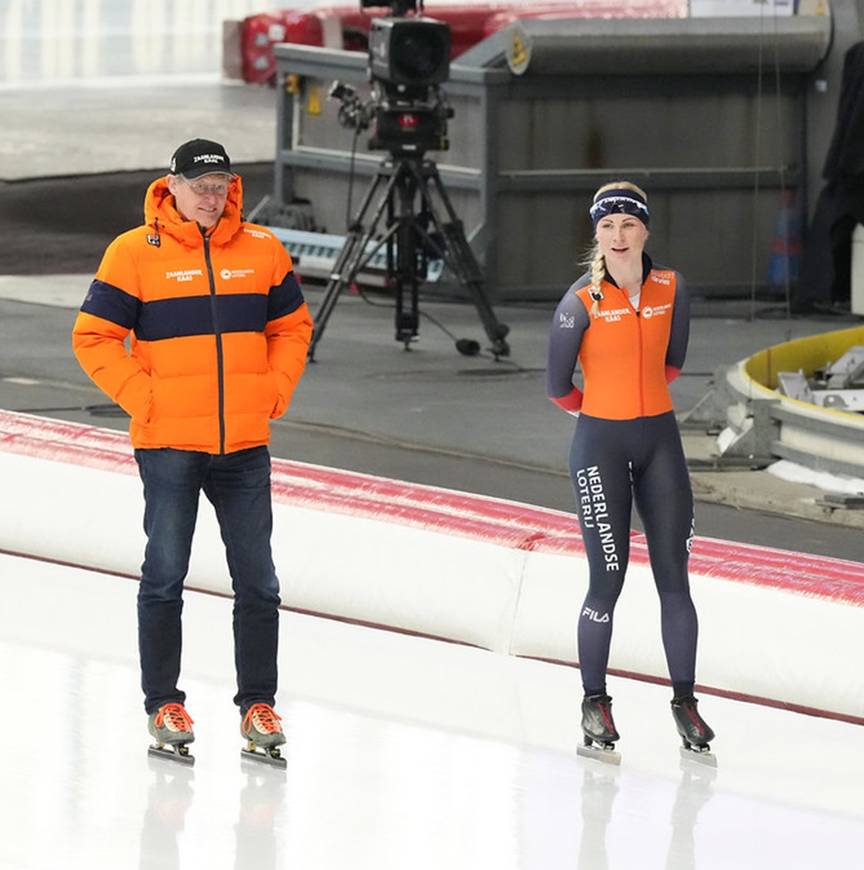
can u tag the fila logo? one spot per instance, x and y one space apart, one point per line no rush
594 616
228 274
566 322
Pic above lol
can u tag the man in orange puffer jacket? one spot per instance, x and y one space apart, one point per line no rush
219 340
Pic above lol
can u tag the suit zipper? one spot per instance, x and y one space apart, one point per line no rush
639 333
641 368
220 359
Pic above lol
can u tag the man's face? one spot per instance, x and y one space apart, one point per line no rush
202 199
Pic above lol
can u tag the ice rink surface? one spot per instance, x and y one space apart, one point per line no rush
402 752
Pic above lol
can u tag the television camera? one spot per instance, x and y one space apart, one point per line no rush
407 114
409 58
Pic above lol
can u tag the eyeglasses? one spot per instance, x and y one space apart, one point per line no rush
201 188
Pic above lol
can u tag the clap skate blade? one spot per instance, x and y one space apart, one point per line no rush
178 752
271 756
599 751
698 754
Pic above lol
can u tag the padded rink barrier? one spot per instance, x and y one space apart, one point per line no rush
776 627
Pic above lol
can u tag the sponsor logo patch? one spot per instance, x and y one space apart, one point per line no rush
594 616
229 274
184 275
656 310
595 514
256 234
611 315
208 158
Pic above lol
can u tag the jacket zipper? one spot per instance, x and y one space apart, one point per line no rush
220 360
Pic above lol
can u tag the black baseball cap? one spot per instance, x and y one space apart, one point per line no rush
200 157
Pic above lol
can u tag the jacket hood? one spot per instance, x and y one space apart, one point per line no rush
161 215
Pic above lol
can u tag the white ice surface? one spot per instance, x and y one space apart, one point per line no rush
402 753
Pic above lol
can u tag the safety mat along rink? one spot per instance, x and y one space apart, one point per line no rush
500 575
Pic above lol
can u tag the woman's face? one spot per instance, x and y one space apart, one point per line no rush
621 238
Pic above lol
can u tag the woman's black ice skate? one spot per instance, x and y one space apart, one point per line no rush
694 730
599 730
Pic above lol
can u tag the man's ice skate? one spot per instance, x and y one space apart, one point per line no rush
694 730
171 726
599 730
264 735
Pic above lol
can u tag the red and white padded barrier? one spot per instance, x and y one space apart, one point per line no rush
777 627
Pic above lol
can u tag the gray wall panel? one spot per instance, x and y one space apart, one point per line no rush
686 131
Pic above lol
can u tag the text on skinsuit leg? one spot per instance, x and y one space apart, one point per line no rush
594 616
595 514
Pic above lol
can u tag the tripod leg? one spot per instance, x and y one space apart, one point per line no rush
350 261
339 279
460 258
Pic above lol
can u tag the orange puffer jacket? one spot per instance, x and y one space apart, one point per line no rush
219 327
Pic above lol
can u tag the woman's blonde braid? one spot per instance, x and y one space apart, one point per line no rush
598 272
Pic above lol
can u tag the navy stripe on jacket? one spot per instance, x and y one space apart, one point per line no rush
111 303
193 315
284 298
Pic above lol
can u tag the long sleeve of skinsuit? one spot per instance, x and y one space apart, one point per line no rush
568 327
679 334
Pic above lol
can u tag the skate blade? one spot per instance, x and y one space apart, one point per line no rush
257 756
168 754
699 756
607 756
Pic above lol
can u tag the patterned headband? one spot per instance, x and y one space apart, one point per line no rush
621 201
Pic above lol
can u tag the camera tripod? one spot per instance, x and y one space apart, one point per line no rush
410 238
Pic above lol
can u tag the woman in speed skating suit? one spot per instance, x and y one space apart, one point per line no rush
626 322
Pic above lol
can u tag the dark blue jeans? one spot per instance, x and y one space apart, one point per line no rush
238 486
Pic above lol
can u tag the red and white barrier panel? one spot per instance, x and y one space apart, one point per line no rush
775 626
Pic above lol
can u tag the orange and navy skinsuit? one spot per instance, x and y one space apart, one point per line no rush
627 446
219 328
